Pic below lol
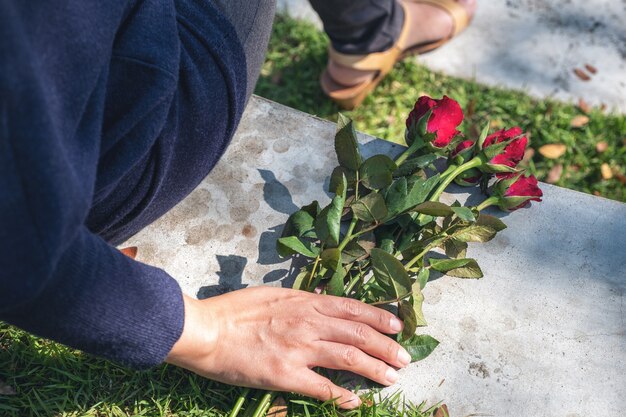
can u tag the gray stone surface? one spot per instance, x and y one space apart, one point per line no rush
534 45
542 334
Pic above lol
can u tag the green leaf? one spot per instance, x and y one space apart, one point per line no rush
464 213
390 273
346 145
417 299
434 208
300 224
352 252
376 172
395 197
491 222
475 233
336 285
407 315
483 136
385 238
413 165
460 268
455 248
419 189
419 346
422 278
336 178
412 250
370 208
331 258
404 194
290 245
328 222
301 279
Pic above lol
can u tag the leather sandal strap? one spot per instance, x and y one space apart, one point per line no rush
376 61
459 16
384 61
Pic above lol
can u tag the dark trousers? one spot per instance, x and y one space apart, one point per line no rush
353 26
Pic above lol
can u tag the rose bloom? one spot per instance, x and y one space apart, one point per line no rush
445 117
512 154
516 191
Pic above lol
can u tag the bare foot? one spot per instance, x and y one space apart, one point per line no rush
427 24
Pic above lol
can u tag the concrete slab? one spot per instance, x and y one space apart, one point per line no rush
534 45
542 334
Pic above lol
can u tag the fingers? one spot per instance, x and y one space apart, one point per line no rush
316 386
349 358
354 310
366 339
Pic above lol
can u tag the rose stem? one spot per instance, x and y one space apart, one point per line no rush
408 152
488 202
263 405
239 403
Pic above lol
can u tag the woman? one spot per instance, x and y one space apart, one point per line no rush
111 113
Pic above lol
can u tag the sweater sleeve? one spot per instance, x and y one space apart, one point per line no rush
57 279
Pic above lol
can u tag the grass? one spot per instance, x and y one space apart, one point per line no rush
53 380
297 55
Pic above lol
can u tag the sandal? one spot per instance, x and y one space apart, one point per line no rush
382 62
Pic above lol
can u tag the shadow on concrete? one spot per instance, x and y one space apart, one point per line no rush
230 276
275 194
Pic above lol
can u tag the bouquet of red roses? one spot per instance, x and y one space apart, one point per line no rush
377 239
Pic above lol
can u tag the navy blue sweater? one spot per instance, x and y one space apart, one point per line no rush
110 112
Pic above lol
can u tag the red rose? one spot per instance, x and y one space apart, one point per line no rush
507 150
446 115
516 190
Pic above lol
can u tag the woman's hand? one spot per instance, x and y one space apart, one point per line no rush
270 338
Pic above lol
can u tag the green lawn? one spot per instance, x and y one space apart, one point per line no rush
53 380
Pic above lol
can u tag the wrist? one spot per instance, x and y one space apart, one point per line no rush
198 338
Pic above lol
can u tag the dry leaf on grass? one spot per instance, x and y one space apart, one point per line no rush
579 121
621 178
606 171
442 411
591 68
553 150
581 74
584 106
554 175
597 193
278 408
6 389
130 251
602 146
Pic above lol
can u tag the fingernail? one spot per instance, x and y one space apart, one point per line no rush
391 375
403 356
355 401
395 324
